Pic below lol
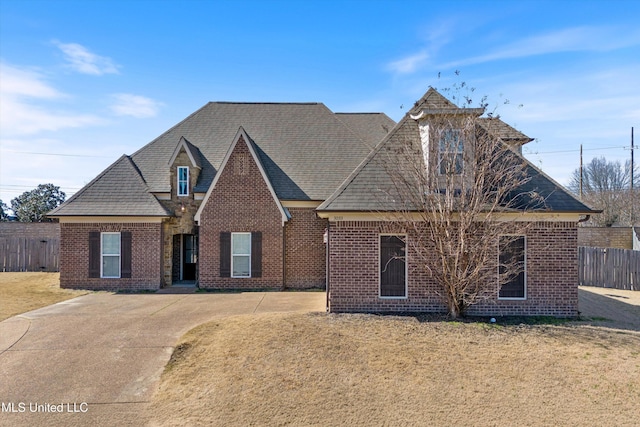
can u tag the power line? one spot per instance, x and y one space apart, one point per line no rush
575 150
56 154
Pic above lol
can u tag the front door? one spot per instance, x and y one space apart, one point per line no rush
189 257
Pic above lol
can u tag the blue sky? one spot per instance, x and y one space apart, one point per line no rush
83 82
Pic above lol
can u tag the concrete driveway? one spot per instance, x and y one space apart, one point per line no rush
99 357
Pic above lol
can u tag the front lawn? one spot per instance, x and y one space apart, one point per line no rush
22 292
324 369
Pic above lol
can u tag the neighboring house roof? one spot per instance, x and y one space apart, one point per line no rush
370 186
305 148
119 190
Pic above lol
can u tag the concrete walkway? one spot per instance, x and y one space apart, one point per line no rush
99 357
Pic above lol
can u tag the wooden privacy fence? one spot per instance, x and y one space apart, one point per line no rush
609 268
29 254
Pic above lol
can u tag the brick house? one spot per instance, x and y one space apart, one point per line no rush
255 195
362 238
225 199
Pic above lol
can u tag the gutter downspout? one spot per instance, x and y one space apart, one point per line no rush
327 269
585 219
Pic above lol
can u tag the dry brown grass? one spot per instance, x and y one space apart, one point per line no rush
22 292
319 369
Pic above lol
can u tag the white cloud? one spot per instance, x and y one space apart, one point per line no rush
20 117
20 82
84 61
577 39
135 105
410 63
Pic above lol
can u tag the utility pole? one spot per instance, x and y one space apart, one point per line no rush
633 198
580 172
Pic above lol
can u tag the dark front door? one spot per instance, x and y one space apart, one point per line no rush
189 257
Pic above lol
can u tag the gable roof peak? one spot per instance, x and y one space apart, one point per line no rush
433 102
241 135
191 150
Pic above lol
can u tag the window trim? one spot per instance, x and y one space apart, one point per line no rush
405 237
443 154
103 255
247 255
524 297
180 181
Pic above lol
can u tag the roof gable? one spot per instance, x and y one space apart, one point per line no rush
298 143
191 150
118 191
241 136
370 186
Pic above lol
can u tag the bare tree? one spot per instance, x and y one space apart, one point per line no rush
605 185
462 192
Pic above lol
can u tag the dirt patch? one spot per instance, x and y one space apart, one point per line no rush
22 292
327 369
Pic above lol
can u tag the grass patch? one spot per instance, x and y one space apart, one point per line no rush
327 369
22 292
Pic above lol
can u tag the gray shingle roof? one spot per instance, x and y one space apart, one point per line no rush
370 186
306 149
503 131
119 190
371 127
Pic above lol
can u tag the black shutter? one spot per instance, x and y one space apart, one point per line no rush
256 254
225 254
94 254
125 254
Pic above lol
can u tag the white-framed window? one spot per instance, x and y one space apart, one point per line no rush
183 180
450 152
110 255
512 267
393 266
240 255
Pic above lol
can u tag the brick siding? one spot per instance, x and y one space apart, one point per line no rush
146 253
552 274
241 202
305 251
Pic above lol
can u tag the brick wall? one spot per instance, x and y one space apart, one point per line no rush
552 274
241 202
305 251
146 252
606 237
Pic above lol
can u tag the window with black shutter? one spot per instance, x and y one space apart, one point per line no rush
110 254
512 274
241 254
393 267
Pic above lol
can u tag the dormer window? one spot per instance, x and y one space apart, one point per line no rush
183 180
450 152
